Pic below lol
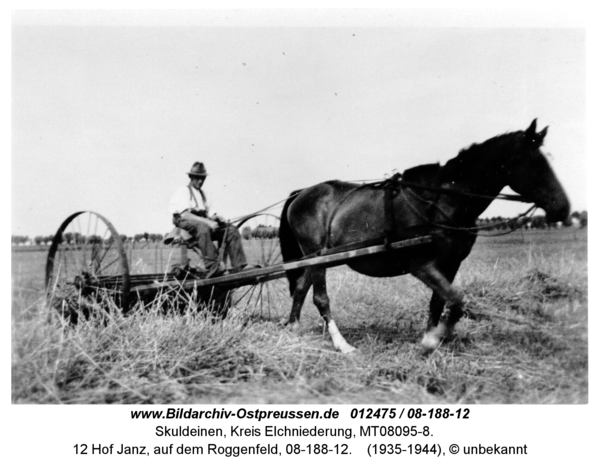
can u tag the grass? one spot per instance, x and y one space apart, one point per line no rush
523 340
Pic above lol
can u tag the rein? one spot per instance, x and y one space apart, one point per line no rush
471 230
456 192
263 210
396 178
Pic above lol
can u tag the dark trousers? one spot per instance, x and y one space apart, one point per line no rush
204 235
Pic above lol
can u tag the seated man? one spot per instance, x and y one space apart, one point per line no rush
190 211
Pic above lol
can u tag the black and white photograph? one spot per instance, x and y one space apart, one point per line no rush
327 207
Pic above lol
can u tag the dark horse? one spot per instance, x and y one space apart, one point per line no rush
425 202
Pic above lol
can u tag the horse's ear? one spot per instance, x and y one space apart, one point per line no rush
532 138
530 132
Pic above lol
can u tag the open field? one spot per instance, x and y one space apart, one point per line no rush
524 339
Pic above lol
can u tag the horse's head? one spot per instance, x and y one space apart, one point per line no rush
530 175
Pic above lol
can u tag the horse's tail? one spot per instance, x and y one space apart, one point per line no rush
290 249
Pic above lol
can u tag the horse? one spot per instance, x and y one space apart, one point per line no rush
443 202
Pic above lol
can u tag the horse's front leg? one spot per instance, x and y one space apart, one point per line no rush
436 305
443 293
321 300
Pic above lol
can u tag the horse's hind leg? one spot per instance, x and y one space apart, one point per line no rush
436 307
303 284
321 300
443 293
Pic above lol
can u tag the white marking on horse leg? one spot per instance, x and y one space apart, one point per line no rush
433 338
430 342
339 342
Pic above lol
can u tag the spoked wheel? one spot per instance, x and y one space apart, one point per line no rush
86 266
261 243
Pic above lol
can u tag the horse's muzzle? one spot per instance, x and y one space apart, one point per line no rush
559 213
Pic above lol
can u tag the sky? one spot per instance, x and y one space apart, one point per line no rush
111 109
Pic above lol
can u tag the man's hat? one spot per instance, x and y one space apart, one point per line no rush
198 170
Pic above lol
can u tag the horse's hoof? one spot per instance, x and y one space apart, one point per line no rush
348 349
429 344
293 327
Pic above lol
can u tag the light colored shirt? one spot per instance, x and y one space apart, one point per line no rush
183 199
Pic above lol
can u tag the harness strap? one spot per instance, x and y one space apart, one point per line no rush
390 191
394 185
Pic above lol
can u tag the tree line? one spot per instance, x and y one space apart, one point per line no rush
77 238
537 222
261 232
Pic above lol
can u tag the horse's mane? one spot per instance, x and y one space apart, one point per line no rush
469 160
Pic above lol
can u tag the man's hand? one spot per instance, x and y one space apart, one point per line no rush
212 224
220 220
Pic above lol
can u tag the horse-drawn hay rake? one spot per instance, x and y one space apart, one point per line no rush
88 267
